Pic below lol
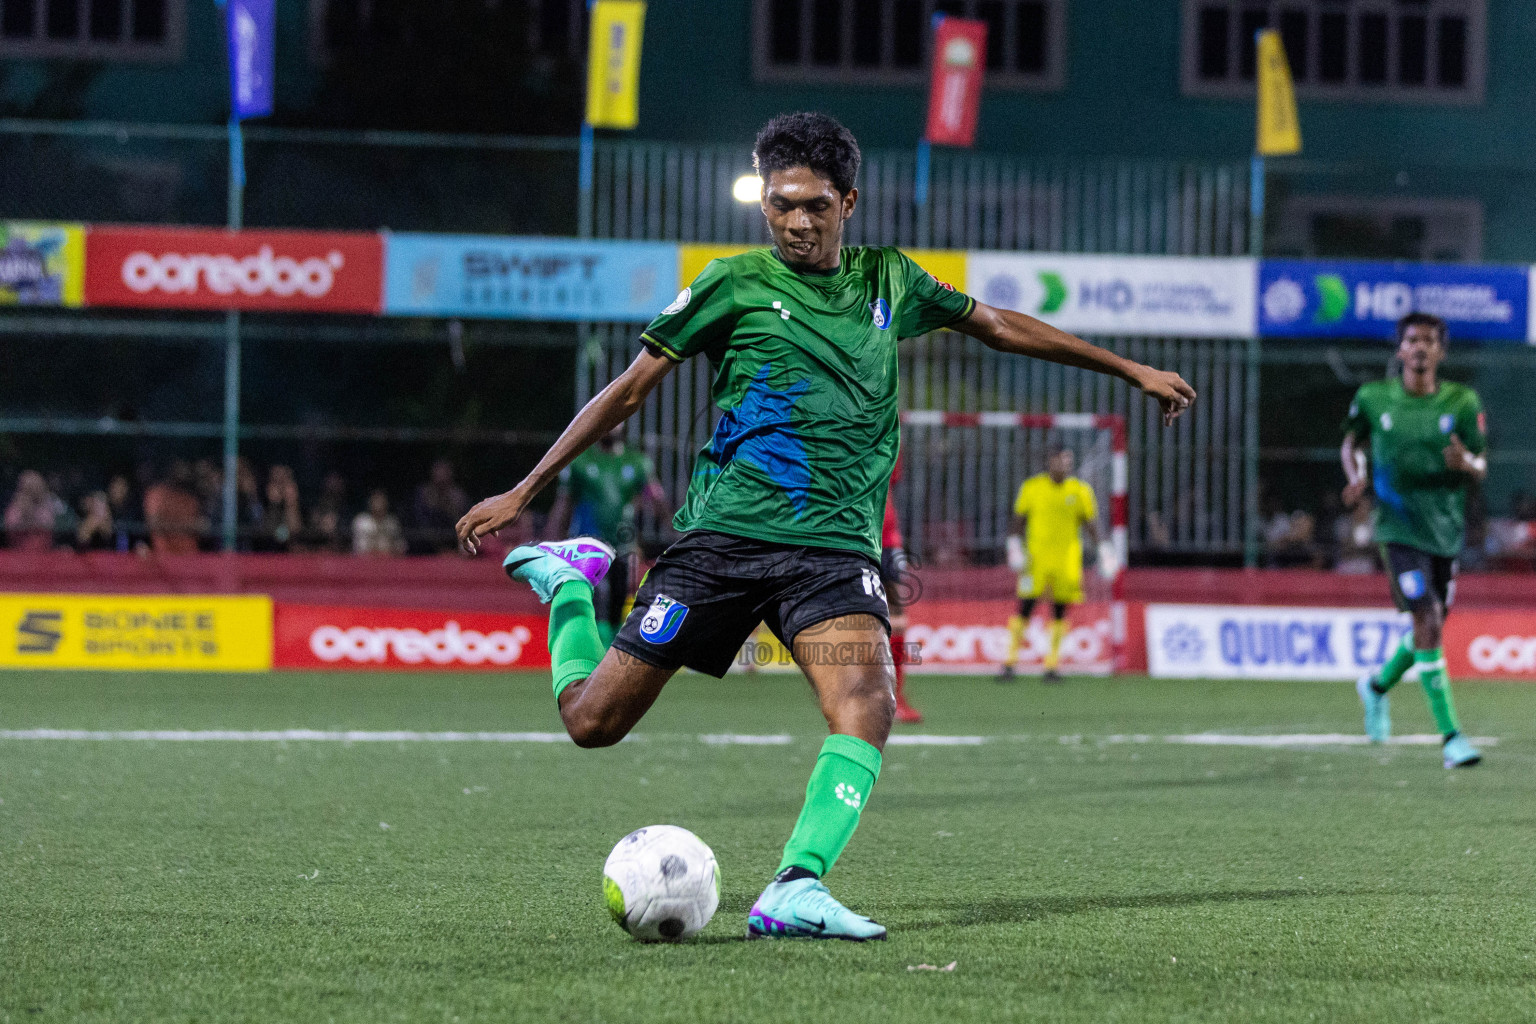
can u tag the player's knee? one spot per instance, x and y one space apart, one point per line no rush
590 729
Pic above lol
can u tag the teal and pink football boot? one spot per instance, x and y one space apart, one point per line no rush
547 565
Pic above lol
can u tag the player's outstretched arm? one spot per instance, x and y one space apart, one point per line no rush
612 406
1356 477
1019 334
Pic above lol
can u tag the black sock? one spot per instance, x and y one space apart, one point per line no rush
793 873
1449 736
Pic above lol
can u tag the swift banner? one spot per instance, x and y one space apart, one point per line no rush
954 91
1345 299
324 636
206 268
41 264
1158 295
1192 641
127 631
528 278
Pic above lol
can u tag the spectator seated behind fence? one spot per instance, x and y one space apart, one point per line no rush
33 513
94 531
440 502
326 528
376 531
281 520
1290 540
172 513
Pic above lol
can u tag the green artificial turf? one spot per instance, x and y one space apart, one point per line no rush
1068 879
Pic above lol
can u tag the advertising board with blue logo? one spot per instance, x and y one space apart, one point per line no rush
1193 641
1152 295
527 278
1348 299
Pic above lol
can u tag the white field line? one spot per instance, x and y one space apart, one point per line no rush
1202 739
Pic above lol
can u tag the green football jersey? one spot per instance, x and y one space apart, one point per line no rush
805 379
603 487
1419 502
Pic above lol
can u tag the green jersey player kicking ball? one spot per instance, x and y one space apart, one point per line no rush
781 523
1426 439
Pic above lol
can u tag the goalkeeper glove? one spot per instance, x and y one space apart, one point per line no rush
1018 561
1109 561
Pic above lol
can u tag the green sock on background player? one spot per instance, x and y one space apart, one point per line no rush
1396 664
574 646
846 770
1437 689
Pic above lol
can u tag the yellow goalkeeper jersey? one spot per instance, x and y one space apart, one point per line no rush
1053 515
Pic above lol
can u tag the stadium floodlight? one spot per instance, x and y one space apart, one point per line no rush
748 188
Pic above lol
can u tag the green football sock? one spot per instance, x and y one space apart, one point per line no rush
574 646
846 770
1397 663
1437 689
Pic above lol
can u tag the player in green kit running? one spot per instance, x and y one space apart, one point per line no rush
597 496
781 523
1427 440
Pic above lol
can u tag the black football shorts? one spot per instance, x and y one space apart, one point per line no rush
708 592
1419 577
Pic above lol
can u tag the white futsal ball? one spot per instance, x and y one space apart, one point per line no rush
662 883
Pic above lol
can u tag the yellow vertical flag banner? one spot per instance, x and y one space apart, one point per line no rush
613 64
1279 128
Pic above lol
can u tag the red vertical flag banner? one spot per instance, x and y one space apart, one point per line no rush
954 94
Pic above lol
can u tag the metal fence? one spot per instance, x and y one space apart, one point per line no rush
683 193
1189 492
1189 486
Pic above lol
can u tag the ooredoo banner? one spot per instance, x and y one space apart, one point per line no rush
201 268
1491 644
330 636
972 636
1155 295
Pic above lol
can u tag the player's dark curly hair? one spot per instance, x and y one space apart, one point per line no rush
808 139
1424 320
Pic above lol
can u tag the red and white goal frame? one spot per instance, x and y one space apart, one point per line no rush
1118 483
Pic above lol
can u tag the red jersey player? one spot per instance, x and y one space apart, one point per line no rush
893 567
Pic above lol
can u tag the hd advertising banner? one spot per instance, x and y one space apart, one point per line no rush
41 264
132 631
528 278
1346 299
1149 295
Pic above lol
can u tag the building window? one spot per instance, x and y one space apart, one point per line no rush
886 42
555 28
126 30
1404 51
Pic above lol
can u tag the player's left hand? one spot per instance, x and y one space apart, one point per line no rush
488 516
1172 392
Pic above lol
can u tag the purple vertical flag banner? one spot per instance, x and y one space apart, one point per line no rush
252 26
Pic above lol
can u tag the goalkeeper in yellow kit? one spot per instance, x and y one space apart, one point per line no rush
1046 552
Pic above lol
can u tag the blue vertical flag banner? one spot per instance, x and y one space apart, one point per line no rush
1357 299
252 26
